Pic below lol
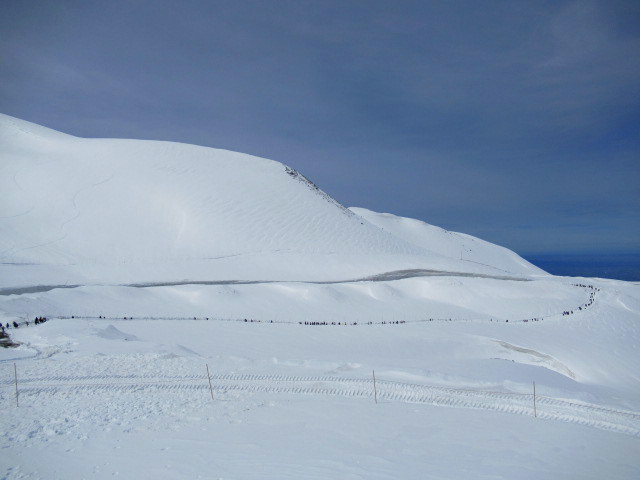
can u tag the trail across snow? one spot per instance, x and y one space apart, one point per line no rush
568 311
381 277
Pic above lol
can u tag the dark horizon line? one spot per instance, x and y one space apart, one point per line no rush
579 254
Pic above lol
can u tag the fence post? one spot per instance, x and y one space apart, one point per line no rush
209 377
15 373
375 390
535 412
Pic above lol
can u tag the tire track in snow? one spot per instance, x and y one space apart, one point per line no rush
621 421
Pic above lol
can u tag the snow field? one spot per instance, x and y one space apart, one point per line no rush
35 390
279 436
162 423
160 233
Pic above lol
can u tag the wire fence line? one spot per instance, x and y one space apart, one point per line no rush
546 407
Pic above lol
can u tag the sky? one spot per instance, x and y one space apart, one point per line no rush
515 121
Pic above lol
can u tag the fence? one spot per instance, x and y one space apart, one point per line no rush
32 389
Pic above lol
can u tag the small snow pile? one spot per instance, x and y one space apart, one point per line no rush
112 333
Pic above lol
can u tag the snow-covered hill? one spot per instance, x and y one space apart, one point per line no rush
124 211
158 261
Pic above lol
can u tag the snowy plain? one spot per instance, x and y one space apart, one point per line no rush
154 260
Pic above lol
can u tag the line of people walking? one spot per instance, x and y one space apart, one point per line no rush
14 324
396 322
584 306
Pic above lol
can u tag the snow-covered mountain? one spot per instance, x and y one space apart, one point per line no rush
167 211
156 260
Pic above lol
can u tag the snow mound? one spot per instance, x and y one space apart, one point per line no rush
112 333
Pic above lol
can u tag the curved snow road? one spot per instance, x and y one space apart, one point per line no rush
616 420
381 277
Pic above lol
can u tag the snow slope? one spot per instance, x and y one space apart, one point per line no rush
156 260
124 211
448 244
131 398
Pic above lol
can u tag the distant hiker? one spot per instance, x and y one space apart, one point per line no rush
15 325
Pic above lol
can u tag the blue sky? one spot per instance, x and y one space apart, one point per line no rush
518 122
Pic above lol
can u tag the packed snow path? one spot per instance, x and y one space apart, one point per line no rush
381 277
36 389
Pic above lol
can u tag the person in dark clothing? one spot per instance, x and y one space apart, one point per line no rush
15 325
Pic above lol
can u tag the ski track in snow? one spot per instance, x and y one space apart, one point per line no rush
36 389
